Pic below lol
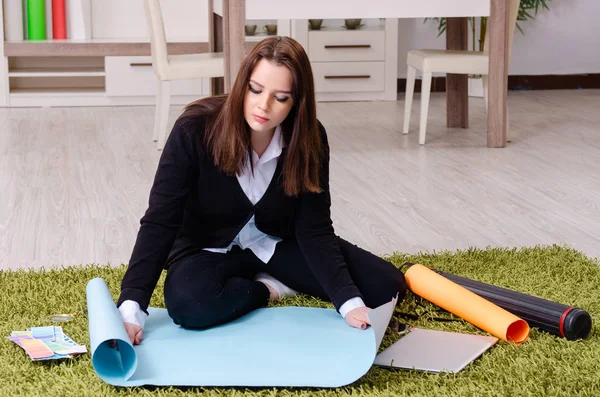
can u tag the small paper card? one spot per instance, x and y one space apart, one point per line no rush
36 348
46 343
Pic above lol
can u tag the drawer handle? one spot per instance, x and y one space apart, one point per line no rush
357 76
140 64
348 46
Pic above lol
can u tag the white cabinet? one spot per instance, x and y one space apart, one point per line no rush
348 46
352 65
349 77
106 69
133 76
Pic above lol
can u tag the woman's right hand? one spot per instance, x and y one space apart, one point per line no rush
134 332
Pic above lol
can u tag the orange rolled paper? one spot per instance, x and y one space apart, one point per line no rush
466 305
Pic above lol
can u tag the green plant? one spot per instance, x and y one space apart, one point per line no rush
528 9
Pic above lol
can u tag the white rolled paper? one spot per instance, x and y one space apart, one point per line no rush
13 20
79 19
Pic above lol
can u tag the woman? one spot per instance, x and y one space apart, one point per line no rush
239 212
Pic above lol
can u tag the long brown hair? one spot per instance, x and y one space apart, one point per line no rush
227 135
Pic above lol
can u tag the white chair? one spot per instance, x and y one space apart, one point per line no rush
449 61
174 67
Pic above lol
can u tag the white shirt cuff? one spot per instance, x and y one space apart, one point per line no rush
351 304
131 313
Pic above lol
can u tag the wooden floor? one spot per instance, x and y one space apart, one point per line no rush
74 182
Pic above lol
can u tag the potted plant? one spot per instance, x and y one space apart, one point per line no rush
528 9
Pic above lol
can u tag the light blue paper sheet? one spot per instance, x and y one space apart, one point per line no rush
287 346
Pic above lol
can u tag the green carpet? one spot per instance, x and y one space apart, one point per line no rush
543 366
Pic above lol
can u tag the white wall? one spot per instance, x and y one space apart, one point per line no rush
125 19
563 40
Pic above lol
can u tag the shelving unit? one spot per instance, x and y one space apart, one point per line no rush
47 75
352 65
114 67
96 47
90 72
283 29
56 72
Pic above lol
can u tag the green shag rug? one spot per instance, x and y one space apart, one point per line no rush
543 366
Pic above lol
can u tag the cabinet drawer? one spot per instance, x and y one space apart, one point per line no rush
349 76
352 45
134 76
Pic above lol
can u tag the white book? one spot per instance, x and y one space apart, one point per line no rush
79 19
13 20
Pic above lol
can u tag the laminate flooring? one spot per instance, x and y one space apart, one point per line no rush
74 182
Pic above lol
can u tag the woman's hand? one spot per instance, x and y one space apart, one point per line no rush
134 332
358 317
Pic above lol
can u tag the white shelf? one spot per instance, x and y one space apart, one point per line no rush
341 28
57 72
58 92
257 38
126 40
95 47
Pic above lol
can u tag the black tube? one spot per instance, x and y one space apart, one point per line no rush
558 319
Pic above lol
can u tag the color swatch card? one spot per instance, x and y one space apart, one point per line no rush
36 349
46 343
46 333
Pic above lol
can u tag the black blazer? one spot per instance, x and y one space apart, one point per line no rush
194 205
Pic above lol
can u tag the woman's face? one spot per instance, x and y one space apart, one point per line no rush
268 100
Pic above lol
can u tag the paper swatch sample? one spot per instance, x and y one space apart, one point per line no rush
46 343
35 348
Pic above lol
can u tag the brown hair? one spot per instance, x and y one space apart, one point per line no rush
227 135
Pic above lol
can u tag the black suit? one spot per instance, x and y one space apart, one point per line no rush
194 205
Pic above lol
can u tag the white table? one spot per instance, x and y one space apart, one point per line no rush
235 12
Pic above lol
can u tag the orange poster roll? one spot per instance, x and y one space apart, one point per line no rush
466 305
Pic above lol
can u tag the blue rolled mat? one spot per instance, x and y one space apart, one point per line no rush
286 346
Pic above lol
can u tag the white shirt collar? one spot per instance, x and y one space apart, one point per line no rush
272 151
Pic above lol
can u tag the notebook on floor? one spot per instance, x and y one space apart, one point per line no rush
434 351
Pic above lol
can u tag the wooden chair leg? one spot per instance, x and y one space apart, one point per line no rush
508 133
486 98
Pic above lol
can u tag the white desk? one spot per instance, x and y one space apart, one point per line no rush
235 12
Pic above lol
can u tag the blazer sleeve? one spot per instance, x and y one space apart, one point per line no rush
176 172
316 238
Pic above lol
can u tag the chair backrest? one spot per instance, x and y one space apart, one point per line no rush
158 38
513 13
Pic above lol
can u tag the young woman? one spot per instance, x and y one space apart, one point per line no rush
239 212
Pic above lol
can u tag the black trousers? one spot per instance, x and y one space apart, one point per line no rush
206 288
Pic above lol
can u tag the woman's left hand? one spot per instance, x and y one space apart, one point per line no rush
358 317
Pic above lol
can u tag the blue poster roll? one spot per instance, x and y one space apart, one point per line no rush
285 346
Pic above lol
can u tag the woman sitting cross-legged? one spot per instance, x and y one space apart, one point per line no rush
239 211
